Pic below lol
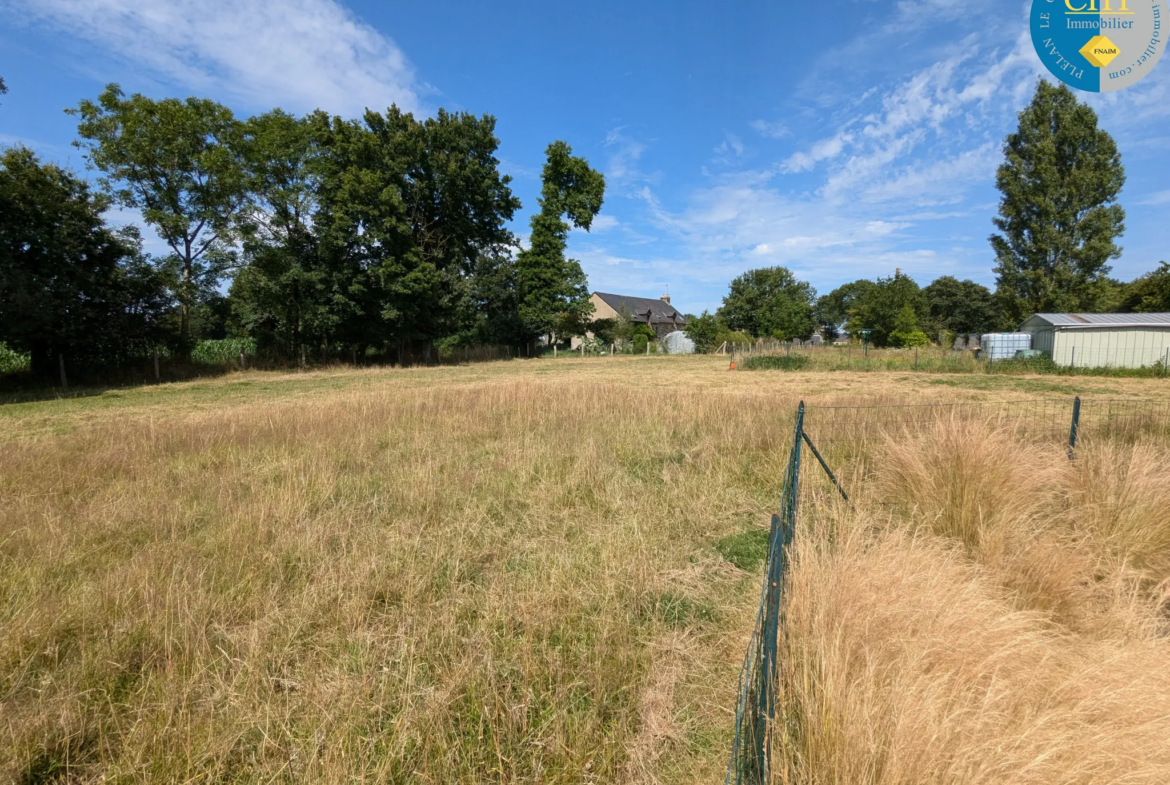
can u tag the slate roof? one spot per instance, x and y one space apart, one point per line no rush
638 307
1106 319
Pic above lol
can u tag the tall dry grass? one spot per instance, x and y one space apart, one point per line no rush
469 575
991 613
509 582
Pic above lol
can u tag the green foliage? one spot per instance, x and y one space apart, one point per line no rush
746 550
1149 293
550 284
606 330
769 302
704 331
961 307
179 162
732 338
880 306
1058 217
774 362
906 333
640 343
12 361
833 309
223 352
68 284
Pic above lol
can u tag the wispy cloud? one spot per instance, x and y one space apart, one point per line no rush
1157 198
770 130
298 54
822 150
623 160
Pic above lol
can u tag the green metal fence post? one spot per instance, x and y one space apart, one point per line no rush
1074 428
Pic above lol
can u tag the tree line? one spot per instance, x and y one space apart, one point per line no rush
1058 224
339 236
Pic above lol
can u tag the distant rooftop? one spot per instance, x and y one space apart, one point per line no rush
639 307
1106 319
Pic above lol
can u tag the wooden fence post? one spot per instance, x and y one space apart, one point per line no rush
61 363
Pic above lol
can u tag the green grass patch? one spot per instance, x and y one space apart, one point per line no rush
679 610
746 550
775 362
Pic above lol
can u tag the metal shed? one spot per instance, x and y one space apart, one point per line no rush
1095 340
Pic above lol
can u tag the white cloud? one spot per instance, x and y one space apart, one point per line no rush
624 159
297 54
1156 198
822 150
770 130
601 223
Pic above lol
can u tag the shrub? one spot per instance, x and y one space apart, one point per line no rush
223 352
775 362
12 361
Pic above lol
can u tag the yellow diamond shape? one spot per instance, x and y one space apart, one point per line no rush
1100 51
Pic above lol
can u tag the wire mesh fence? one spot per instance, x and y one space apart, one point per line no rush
1049 419
1112 354
751 754
1060 420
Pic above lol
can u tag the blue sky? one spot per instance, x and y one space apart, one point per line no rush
841 139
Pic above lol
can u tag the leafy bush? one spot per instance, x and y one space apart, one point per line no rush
11 361
223 352
775 362
908 340
733 338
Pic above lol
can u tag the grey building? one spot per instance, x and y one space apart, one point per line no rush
1093 340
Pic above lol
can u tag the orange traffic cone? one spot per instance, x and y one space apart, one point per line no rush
732 368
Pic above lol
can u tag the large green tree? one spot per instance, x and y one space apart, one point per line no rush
408 210
832 310
280 296
1058 217
769 302
179 163
887 307
961 307
70 287
1150 293
553 289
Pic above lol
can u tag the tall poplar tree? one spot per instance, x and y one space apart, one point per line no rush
554 289
1058 216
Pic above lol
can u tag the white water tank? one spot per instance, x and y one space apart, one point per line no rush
1003 346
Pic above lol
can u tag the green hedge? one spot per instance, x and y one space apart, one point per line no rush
223 352
774 362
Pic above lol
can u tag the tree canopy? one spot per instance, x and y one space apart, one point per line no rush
1058 217
553 289
70 287
961 307
887 308
769 302
179 162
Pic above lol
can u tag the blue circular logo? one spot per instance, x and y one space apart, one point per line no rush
1099 45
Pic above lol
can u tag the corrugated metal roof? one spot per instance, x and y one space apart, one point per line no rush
1106 319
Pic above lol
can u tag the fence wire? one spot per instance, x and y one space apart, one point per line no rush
751 753
1059 420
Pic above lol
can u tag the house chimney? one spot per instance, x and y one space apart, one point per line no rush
666 298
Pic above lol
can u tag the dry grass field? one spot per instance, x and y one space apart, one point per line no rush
527 572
